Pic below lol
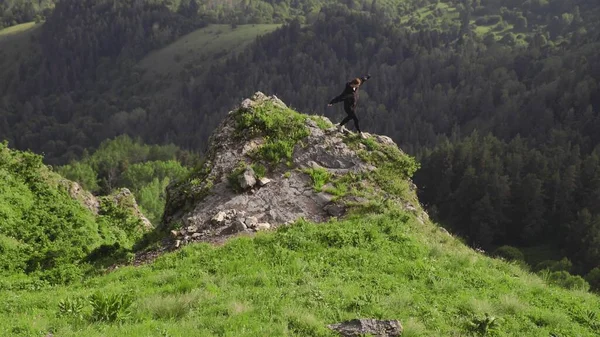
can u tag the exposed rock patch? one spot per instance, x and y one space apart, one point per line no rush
373 327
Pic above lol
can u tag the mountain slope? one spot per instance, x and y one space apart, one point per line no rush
168 69
382 259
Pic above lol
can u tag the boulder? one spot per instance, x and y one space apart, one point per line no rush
263 226
219 218
251 222
334 209
247 179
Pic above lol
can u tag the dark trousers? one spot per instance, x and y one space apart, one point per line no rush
351 115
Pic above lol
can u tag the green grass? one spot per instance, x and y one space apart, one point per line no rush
295 281
319 176
11 32
281 128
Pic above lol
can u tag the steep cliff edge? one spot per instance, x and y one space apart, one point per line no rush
268 166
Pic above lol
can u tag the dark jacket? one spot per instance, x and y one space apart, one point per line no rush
350 94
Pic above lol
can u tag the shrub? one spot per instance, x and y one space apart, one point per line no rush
71 307
110 308
552 265
593 278
566 280
509 253
259 170
482 325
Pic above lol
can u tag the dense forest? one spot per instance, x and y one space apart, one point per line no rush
499 99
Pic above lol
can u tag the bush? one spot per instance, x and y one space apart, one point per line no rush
593 278
552 265
110 308
71 307
509 253
566 280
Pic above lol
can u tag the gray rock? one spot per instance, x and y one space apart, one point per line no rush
247 180
177 243
219 218
310 123
384 140
252 145
264 181
361 327
323 198
445 231
251 222
191 229
277 102
334 209
263 226
174 233
247 103
236 227
196 235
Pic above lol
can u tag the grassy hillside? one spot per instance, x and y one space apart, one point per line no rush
202 48
16 42
295 281
382 261
188 58
9 32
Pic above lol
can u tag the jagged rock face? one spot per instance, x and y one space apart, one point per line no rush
210 207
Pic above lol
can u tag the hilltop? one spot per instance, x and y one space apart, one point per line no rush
379 255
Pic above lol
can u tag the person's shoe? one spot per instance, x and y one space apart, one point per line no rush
363 136
341 128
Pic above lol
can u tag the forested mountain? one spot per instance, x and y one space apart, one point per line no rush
499 99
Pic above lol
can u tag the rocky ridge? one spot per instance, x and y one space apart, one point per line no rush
240 189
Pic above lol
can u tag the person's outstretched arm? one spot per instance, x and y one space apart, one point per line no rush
340 98
365 78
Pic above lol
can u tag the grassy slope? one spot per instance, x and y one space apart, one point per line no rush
297 280
380 262
15 41
202 47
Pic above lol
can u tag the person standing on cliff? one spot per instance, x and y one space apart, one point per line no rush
350 98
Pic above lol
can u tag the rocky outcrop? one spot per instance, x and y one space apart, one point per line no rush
85 198
227 196
370 327
123 198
